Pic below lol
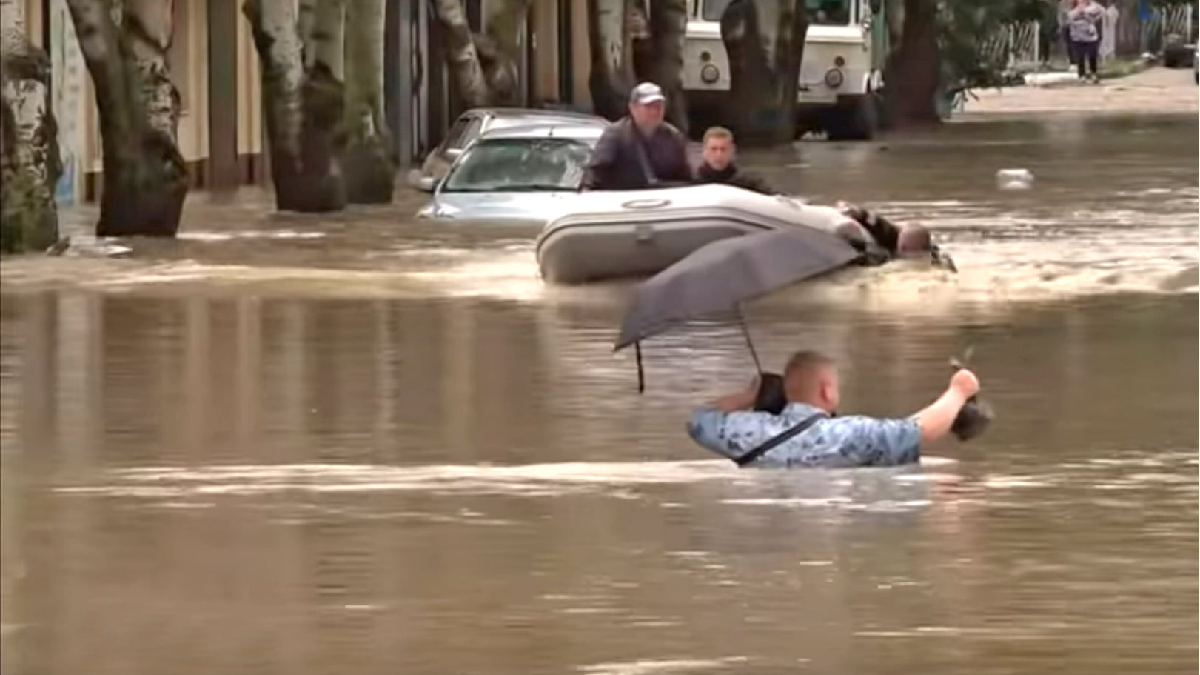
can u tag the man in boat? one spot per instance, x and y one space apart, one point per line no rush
732 428
641 150
718 165
881 241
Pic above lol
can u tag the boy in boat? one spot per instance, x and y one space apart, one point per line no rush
718 164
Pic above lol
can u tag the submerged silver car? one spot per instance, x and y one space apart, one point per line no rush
518 174
477 121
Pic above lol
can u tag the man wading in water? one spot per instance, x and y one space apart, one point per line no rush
881 241
731 427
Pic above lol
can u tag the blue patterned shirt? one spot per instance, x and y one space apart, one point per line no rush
836 442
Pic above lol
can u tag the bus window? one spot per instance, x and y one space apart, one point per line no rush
828 12
820 12
711 10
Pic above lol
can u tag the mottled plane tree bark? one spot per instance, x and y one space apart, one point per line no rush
145 178
612 63
369 173
300 52
668 28
484 65
29 160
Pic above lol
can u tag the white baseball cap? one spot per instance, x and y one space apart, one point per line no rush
646 92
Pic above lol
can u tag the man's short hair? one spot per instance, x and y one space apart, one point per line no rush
805 362
718 133
914 238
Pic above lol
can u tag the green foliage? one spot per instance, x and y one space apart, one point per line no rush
968 32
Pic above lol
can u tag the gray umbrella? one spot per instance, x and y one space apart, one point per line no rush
719 276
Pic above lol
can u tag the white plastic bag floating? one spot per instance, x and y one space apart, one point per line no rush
1014 179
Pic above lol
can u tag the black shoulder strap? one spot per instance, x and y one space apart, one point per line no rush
639 144
778 439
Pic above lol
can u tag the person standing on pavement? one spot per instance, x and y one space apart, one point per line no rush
641 150
1064 28
1084 21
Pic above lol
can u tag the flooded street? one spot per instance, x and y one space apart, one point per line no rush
362 444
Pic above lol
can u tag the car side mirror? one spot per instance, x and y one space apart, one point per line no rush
421 181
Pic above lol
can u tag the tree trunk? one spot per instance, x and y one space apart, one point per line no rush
764 41
612 73
303 107
324 43
367 165
637 33
148 28
668 27
501 47
789 55
461 53
145 177
484 65
912 73
29 160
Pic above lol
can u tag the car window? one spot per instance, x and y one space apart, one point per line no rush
504 122
471 133
457 132
519 164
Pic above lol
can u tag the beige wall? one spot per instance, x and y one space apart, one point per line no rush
188 62
249 98
545 51
580 54
34 21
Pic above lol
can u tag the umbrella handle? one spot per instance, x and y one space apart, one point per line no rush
637 347
749 342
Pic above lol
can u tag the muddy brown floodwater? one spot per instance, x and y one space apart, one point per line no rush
367 445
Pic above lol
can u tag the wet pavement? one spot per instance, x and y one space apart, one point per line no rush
363 444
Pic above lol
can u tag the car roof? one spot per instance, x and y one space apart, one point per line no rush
509 113
582 132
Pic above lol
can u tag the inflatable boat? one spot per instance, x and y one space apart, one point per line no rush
606 235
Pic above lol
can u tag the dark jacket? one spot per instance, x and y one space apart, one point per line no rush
873 249
623 158
732 175
878 239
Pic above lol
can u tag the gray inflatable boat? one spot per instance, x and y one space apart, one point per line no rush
607 235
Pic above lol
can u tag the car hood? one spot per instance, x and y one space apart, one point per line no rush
496 206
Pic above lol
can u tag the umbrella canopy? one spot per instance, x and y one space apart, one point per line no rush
719 276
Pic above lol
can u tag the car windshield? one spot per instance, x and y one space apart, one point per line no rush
520 164
820 12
